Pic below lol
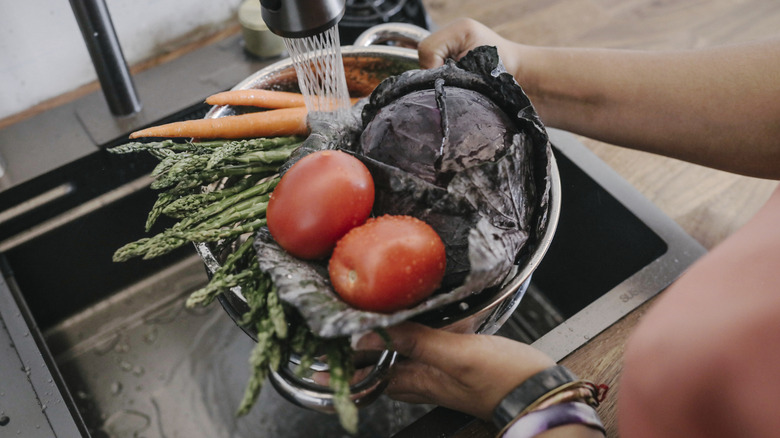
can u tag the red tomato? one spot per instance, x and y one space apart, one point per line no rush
388 263
321 197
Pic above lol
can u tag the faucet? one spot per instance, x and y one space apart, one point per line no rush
97 29
287 18
301 18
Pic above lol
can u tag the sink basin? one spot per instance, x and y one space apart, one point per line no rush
129 358
141 364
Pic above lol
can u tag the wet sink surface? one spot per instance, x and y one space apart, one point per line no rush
142 365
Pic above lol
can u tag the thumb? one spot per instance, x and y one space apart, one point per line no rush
431 54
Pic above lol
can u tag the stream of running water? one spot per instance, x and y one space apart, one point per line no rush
320 69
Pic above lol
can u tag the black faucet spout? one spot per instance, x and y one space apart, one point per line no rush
97 29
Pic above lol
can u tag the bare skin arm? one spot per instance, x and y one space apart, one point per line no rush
451 370
703 361
718 107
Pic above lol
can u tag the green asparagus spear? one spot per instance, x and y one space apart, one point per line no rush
259 360
232 201
237 148
276 314
167 243
189 146
163 199
197 180
234 271
341 370
185 166
189 204
302 343
277 155
238 269
206 225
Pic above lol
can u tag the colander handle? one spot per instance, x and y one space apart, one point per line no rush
405 34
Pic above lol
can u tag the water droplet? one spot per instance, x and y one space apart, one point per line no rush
125 365
122 347
126 423
151 336
4 420
116 388
138 370
107 345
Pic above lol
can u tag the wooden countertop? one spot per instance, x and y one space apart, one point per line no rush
710 205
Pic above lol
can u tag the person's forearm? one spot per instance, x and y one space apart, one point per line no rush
717 107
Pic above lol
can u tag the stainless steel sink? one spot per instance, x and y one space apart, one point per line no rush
141 364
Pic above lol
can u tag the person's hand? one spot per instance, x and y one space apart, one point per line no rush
468 373
457 38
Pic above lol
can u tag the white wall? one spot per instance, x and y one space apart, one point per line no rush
42 52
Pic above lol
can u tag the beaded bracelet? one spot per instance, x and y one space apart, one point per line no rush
579 390
555 385
542 420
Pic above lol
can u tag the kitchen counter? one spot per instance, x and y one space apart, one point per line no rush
708 204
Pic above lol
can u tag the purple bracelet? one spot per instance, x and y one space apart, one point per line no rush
536 422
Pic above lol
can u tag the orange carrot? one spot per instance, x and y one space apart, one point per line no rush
277 122
258 98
